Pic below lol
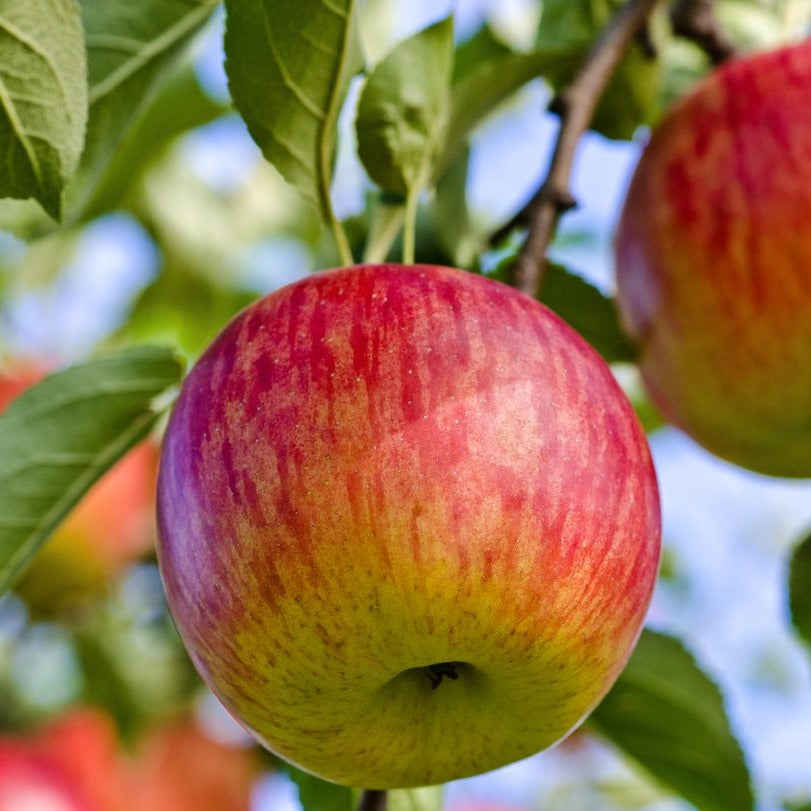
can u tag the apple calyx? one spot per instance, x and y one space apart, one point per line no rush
441 670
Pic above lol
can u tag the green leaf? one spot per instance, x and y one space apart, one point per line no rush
289 66
132 48
667 715
316 794
180 106
583 307
483 46
61 435
799 588
632 95
586 309
43 98
456 232
481 89
403 110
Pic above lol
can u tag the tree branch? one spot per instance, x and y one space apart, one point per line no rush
576 106
696 20
373 800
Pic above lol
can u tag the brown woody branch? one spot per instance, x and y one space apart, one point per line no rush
696 20
373 800
576 106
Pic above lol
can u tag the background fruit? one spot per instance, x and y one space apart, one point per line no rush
714 262
382 473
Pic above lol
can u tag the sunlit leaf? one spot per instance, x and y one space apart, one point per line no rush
666 714
416 799
43 98
289 66
403 110
62 434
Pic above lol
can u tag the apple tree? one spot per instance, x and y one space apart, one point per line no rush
704 325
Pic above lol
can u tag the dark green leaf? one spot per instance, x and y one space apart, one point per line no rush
583 307
316 794
132 48
666 714
483 46
289 66
43 98
403 110
799 588
61 435
586 309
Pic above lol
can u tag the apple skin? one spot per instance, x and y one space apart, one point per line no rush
713 255
383 468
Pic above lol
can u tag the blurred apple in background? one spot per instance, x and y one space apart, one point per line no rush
76 763
177 766
111 527
71 764
713 259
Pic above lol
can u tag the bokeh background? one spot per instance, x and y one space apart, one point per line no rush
88 654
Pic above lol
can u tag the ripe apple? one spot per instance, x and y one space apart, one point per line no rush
109 528
177 766
713 257
69 765
408 524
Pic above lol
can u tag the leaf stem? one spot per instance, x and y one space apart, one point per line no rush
575 105
342 243
410 224
373 800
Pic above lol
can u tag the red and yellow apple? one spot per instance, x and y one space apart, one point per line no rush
178 767
713 257
109 528
69 765
75 763
408 524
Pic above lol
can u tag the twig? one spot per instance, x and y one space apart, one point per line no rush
576 106
373 800
696 20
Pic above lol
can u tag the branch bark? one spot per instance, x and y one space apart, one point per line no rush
576 106
373 800
696 20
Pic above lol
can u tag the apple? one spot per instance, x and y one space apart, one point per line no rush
408 524
71 764
713 255
111 527
177 766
